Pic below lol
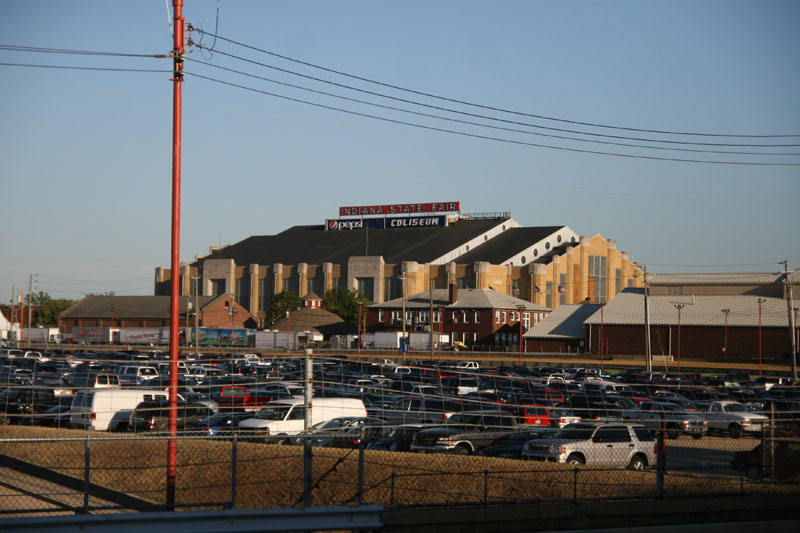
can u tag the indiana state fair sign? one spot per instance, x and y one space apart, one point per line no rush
390 222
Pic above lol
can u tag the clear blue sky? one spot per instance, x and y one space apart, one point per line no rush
85 156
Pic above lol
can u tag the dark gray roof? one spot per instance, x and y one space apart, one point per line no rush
509 243
466 299
565 322
315 246
724 278
122 307
319 320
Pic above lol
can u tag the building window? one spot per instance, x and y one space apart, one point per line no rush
504 321
455 336
630 282
476 338
315 285
549 292
217 287
392 288
477 317
497 339
338 283
243 292
617 281
526 321
292 284
675 291
497 317
396 317
380 315
365 287
463 283
465 317
455 317
265 292
597 269
562 282
436 317
424 316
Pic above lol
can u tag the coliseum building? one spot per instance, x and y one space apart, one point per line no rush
423 246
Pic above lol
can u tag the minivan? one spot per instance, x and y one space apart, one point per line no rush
108 409
287 417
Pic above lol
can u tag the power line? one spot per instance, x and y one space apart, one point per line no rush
85 68
16 48
491 108
538 126
485 137
513 130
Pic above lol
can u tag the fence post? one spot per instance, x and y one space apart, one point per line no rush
661 460
308 472
361 468
485 487
234 469
86 471
771 443
391 497
575 485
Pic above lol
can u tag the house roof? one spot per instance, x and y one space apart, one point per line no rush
314 245
565 322
466 299
627 308
131 307
314 319
726 278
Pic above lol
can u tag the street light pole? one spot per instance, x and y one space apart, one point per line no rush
679 307
288 328
725 346
760 302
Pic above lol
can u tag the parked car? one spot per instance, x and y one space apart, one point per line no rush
220 424
509 446
465 433
677 420
733 417
757 464
607 444
153 416
17 403
399 438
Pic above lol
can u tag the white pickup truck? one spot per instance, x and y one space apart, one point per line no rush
732 417
468 365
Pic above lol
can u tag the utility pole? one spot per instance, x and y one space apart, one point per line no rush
648 351
791 324
196 317
178 50
13 314
30 310
404 347
430 322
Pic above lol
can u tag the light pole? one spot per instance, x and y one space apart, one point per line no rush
288 328
602 332
679 307
186 338
520 308
760 303
359 329
726 312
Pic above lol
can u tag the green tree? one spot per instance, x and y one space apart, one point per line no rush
344 303
49 308
282 302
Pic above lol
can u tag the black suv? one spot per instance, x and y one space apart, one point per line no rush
154 416
466 433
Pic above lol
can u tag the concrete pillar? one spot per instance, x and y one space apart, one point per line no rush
302 275
611 268
583 285
254 286
327 277
451 273
572 291
277 272
540 281
555 278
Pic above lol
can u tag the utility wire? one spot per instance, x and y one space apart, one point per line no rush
491 108
16 48
85 68
514 130
450 110
485 137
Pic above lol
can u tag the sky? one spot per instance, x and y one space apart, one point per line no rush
85 155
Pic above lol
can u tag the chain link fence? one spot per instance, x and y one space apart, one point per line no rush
42 476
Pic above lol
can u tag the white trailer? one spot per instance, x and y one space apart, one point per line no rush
387 340
277 340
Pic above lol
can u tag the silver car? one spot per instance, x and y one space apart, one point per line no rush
608 444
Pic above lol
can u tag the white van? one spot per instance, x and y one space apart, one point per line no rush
108 409
287 417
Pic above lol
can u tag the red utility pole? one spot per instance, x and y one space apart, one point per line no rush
519 319
679 307
177 81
